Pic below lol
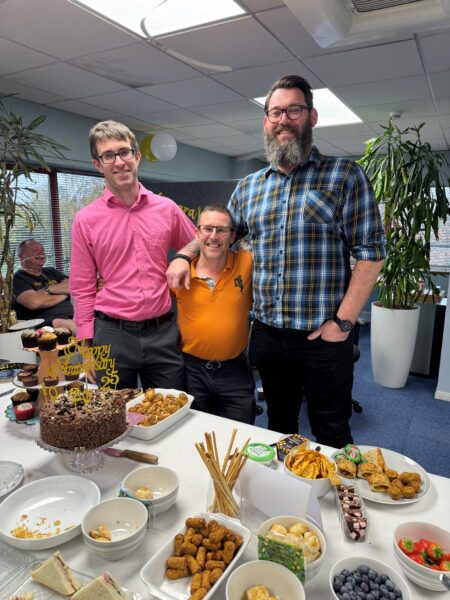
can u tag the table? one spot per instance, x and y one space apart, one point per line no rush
175 449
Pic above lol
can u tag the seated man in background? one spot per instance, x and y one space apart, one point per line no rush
41 292
213 318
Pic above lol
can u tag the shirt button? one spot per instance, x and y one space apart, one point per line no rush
281 251
282 227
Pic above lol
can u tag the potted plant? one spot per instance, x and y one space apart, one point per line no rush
21 149
409 186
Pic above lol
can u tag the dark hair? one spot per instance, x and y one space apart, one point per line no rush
289 82
217 208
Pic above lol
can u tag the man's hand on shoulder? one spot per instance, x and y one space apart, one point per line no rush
179 273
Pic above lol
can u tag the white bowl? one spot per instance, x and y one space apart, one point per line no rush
276 578
125 518
163 482
423 576
61 500
353 562
319 486
287 521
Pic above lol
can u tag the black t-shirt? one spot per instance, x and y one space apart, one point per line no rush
24 281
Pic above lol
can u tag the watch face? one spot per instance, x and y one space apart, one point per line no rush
344 325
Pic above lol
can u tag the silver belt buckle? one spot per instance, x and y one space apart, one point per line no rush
212 365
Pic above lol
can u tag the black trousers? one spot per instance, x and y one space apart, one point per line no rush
222 388
290 365
152 354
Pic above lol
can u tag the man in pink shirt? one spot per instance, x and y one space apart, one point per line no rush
125 236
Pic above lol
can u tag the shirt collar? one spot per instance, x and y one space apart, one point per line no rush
228 265
314 157
109 197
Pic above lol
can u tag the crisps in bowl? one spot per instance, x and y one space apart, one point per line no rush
313 466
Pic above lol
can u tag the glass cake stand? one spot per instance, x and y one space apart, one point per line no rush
79 460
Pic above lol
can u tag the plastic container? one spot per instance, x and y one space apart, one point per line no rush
260 453
352 513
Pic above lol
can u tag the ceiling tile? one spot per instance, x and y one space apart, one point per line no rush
208 131
414 109
180 136
231 111
257 5
381 92
216 45
208 145
440 83
193 92
15 57
238 141
136 65
257 81
343 131
432 45
247 126
58 28
129 102
81 108
178 118
138 124
386 61
25 92
443 105
66 80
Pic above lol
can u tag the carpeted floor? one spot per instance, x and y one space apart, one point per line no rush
408 420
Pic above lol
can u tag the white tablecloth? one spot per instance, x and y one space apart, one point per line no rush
176 450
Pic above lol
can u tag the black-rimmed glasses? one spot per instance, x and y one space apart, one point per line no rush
293 112
220 229
109 157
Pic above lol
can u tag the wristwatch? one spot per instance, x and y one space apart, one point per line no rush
183 256
343 324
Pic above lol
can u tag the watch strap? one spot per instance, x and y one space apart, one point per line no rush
183 256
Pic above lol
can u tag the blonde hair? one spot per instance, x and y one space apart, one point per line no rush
107 130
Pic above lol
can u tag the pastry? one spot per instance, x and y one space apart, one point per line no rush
366 470
379 482
346 467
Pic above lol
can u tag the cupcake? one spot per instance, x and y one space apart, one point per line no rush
29 338
47 341
45 329
71 376
51 381
33 393
21 374
30 368
62 335
30 379
20 397
24 411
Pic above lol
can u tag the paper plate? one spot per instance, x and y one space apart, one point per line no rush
30 324
399 463
11 475
53 506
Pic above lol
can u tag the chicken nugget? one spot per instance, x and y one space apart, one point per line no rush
201 556
210 545
189 533
196 582
215 564
416 485
391 473
196 522
205 580
395 492
179 539
199 594
197 539
213 524
218 534
229 548
176 562
188 548
192 564
177 573
408 491
215 575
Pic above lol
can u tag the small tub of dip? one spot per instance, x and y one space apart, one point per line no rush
260 453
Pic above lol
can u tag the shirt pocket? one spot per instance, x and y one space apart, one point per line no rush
319 207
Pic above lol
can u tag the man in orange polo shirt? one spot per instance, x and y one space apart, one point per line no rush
213 317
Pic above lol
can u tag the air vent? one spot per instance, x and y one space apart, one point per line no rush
363 6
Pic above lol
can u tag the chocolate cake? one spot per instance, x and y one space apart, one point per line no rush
69 423
29 338
62 335
47 341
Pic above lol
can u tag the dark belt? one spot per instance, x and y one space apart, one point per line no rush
137 325
214 365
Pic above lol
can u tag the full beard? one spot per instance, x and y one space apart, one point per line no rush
292 153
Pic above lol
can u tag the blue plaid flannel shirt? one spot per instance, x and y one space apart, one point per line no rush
303 228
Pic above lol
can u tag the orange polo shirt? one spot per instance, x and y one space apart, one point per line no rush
214 322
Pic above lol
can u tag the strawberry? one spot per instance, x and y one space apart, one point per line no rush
418 558
444 565
421 545
406 545
434 551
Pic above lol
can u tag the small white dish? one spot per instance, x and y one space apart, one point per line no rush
150 432
53 506
30 324
277 579
153 573
319 486
11 476
161 481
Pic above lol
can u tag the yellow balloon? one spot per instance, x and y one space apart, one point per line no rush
145 148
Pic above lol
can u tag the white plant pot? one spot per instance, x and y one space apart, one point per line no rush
11 348
393 335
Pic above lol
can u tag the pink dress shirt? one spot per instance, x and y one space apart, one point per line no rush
128 247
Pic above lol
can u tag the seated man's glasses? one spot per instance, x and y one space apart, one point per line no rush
293 112
220 229
109 157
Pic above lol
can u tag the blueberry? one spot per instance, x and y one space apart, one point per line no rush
383 577
376 594
373 585
391 596
370 596
364 586
345 573
364 569
364 577
346 596
357 576
372 574
338 582
389 585
398 593
350 581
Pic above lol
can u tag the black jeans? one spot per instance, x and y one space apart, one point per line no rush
222 388
290 365
151 353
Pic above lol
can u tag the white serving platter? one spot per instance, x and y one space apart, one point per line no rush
30 324
399 463
150 432
50 505
22 582
153 573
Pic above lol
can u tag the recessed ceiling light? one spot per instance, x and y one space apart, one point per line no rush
330 109
162 16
